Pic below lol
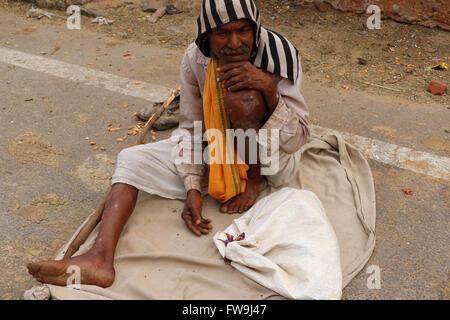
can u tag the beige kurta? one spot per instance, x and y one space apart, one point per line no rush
290 116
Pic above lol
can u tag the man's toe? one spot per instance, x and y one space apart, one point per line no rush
224 207
231 207
33 268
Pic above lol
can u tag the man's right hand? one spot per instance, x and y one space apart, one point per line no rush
192 214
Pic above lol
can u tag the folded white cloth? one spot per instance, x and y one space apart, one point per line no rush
289 247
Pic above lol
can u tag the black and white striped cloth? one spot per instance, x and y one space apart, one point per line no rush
272 52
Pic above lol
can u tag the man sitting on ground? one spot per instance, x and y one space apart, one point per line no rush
237 75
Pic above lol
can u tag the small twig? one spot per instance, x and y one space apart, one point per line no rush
377 85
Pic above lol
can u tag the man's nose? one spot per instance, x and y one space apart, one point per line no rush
234 41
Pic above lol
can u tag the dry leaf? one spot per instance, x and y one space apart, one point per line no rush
407 191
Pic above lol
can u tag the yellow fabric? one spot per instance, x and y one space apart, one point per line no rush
227 178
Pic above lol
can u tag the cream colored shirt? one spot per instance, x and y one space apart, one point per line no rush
290 116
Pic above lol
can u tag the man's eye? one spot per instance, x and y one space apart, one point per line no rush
245 29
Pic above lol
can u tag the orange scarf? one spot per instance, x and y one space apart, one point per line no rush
228 177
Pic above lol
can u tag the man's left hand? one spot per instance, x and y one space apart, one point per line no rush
244 75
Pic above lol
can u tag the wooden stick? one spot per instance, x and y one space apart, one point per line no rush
97 216
160 12
87 228
156 115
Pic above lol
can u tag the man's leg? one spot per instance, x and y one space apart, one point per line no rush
247 110
144 167
96 265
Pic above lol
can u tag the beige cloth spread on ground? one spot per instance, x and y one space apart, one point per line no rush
157 257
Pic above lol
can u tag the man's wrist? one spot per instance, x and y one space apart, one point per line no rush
194 192
272 97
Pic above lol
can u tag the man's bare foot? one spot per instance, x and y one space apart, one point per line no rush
244 201
94 270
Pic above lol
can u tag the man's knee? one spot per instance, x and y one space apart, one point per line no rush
127 156
246 109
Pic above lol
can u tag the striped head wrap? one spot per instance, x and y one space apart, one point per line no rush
272 52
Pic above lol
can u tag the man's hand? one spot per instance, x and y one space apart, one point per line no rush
244 75
192 214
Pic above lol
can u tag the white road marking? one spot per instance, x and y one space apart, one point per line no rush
398 156
91 77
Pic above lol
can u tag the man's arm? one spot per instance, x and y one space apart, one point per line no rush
191 109
287 109
290 115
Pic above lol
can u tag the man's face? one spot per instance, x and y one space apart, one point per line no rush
233 41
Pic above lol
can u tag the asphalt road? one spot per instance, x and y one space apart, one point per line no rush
51 178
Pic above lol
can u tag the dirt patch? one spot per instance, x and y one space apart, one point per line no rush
96 172
25 30
418 164
114 42
32 148
387 131
36 211
437 143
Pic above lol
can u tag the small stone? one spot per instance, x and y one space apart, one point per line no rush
322 6
436 87
91 13
362 61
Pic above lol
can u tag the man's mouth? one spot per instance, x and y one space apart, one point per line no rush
235 57
235 54
239 52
